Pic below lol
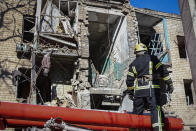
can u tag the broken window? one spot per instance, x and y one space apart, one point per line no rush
102 28
151 39
189 91
154 36
60 17
148 35
58 81
58 27
23 85
181 46
24 49
145 36
108 40
28 24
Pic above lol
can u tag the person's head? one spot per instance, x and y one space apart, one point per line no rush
140 49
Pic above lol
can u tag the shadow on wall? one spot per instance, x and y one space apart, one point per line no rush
6 75
9 23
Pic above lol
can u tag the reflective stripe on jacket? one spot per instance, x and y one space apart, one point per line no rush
142 66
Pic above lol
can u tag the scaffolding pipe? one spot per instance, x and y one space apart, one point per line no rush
81 116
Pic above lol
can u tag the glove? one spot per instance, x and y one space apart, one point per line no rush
170 88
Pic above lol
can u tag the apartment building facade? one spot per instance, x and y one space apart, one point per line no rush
88 45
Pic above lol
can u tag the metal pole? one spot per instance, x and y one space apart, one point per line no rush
32 94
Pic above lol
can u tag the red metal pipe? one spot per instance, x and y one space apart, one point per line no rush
2 124
79 116
173 123
25 123
106 128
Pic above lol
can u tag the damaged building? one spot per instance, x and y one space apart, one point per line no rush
76 53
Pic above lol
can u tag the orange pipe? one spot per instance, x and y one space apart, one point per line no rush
25 123
101 128
80 116
173 123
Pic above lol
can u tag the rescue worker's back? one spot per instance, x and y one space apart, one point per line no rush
140 69
143 79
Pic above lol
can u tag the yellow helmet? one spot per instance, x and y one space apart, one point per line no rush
140 47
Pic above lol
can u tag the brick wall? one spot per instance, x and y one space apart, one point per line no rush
180 70
11 29
12 22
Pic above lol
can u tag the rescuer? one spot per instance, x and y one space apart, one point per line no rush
143 82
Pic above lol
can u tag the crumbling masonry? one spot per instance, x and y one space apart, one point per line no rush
75 53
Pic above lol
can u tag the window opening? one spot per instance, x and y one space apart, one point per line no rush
28 24
58 81
188 91
98 39
181 46
23 86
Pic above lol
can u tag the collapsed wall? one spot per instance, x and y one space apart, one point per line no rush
82 51
69 33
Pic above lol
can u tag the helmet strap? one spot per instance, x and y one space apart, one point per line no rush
140 53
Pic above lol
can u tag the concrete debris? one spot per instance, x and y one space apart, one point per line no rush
65 101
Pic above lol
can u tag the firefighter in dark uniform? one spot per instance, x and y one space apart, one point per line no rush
143 82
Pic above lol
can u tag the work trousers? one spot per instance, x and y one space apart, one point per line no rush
152 103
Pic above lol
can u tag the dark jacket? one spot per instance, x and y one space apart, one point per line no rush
146 69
